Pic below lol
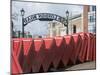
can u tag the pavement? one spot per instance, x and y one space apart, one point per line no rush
82 66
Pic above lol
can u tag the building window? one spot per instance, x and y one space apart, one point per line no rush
93 8
92 19
74 28
53 25
92 28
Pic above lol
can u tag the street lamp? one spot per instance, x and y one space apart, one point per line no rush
22 14
67 16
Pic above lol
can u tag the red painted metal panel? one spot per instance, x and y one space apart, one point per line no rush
69 43
16 68
27 43
94 49
16 46
38 58
82 54
59 50
77 47
31 53
49 53
17 50
27 59
90 47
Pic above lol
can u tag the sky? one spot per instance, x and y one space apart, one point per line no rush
40 27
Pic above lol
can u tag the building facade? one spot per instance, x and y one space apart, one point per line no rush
75 25
56 29
85 17
89 18
92 19
84 22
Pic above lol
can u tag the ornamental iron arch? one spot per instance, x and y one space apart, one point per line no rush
44 17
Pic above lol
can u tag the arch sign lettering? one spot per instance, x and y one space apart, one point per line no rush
44 17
